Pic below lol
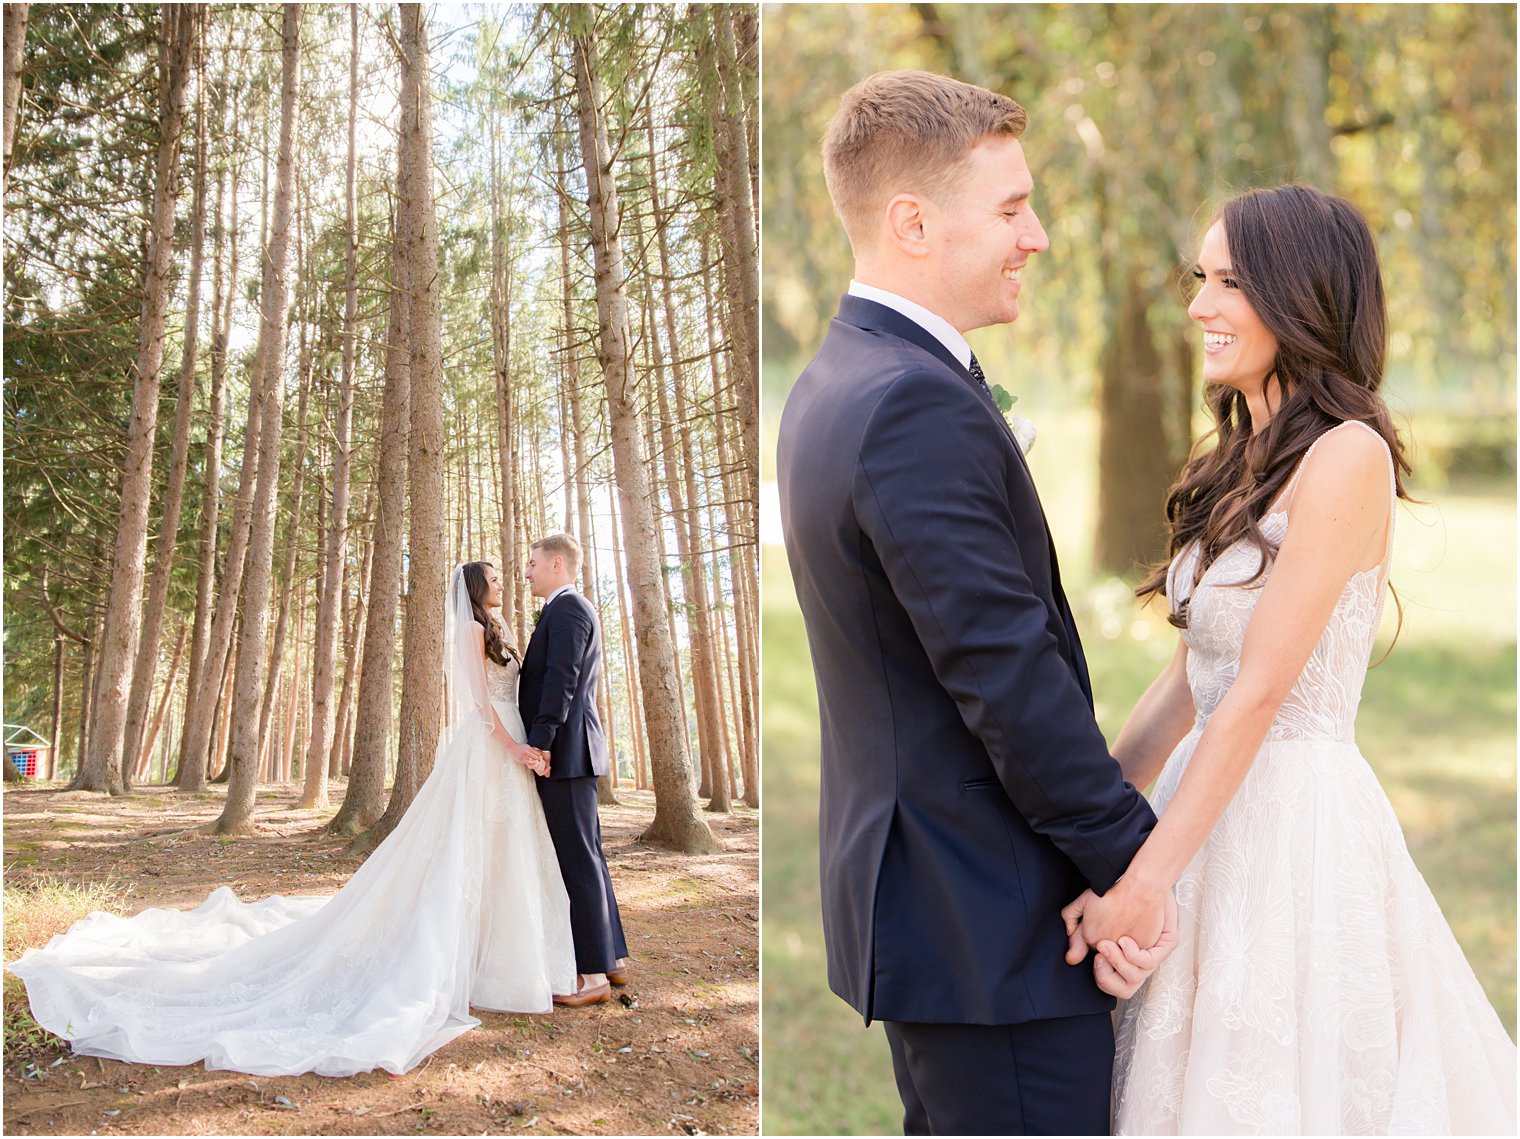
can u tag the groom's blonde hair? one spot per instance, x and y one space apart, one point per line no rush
565 546
906 132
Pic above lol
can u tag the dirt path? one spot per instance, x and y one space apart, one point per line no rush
678 1056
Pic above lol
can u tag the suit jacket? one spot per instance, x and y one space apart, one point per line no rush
967 794
556 689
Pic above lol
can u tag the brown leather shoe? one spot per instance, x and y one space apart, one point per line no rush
618 975
592 995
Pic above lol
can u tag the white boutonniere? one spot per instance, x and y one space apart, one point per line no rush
1023 429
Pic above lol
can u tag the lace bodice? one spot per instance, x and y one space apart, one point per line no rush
1323 702
501 681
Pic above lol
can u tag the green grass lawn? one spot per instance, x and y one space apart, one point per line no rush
1437 723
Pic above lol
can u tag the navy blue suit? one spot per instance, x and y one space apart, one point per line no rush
967 794
556 694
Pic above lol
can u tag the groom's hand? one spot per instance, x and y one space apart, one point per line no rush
1127 910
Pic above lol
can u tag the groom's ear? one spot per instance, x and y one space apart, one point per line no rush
905 216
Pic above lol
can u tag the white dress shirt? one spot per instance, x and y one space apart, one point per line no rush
936 326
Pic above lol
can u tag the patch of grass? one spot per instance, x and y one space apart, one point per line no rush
34 914
1437 724
824 1073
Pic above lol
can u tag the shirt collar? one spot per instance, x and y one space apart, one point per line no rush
937 326
567 588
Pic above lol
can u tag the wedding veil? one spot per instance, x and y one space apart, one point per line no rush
465 699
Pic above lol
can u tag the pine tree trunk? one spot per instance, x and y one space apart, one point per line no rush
524 535
61 632
192 777
501 373
364 798
15 46
743 539
734 191
630 664
145 754
338 756
209 665
146 666
54 737
733 640
274 294
723 665
577 499
288 570
314 792
693 586
676 823
699 622
422 654
293 704
218 759
728 680
100 770
86 699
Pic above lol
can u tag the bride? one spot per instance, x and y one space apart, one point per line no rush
461 905
1315 987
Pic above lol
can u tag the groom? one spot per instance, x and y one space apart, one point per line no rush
967 793
556 695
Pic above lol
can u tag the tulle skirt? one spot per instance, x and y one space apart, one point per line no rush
1316 987
462 904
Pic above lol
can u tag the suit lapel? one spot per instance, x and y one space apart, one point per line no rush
875 317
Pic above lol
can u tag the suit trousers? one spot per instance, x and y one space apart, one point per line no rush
576 828
1041 1077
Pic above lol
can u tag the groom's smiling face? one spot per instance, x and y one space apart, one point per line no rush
986 230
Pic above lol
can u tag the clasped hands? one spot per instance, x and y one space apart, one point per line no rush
1132 928
532 758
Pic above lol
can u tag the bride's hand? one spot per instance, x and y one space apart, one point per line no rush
1120 969
523 754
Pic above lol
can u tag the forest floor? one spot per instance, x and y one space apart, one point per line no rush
678 1054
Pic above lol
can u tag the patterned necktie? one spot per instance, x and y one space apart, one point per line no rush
981 379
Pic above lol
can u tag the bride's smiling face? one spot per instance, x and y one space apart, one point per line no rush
494 591
1238 349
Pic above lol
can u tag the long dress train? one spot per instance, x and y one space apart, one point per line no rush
462 904
1316 987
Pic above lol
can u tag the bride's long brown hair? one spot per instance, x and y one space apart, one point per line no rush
1307 263
499 641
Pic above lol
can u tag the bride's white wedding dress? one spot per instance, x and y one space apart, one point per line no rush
461 905
1316 987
